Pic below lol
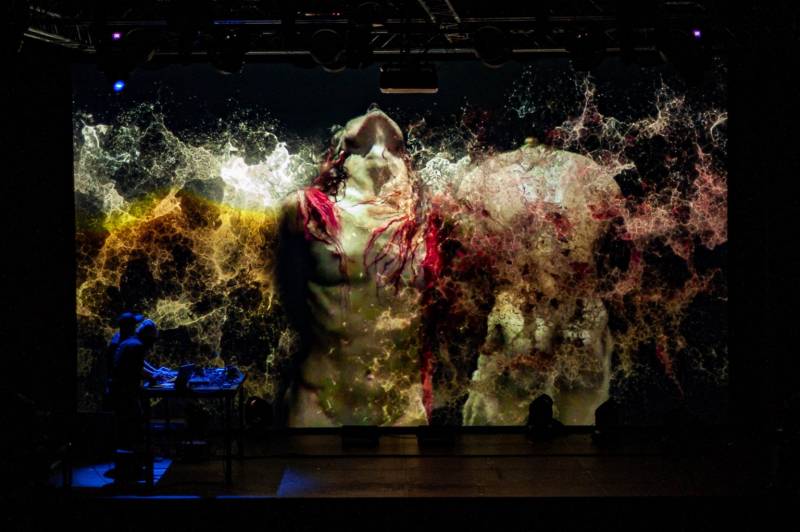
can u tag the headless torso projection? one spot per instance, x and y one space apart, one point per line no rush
547 330
358 361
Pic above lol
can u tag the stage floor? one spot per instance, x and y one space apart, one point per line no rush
485 482
479 465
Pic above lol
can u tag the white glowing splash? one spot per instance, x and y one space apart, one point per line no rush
440 172
261 185
89 180
106 150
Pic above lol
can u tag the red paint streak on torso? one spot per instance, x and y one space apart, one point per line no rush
320 222
432 269
371 243
432 263
321 210
402 240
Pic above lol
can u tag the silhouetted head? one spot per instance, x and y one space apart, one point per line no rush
127 322
147 332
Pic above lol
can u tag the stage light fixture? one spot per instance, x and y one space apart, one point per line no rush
117 70
697 34
408 79
118 58
327 48
371 13
491 46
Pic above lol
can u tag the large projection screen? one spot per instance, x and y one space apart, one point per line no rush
400 260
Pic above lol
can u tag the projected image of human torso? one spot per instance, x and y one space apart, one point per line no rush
359 355
419 264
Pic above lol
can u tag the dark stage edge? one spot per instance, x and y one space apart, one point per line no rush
308 482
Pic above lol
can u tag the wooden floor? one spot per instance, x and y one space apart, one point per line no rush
479 465
485 482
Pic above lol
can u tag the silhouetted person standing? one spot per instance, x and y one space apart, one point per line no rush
126 379
126 323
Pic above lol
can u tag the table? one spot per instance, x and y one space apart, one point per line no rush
226 391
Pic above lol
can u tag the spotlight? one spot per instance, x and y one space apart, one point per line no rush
491 46
686 48
134 47
117 71
327 49
541 424
118 58
408 79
